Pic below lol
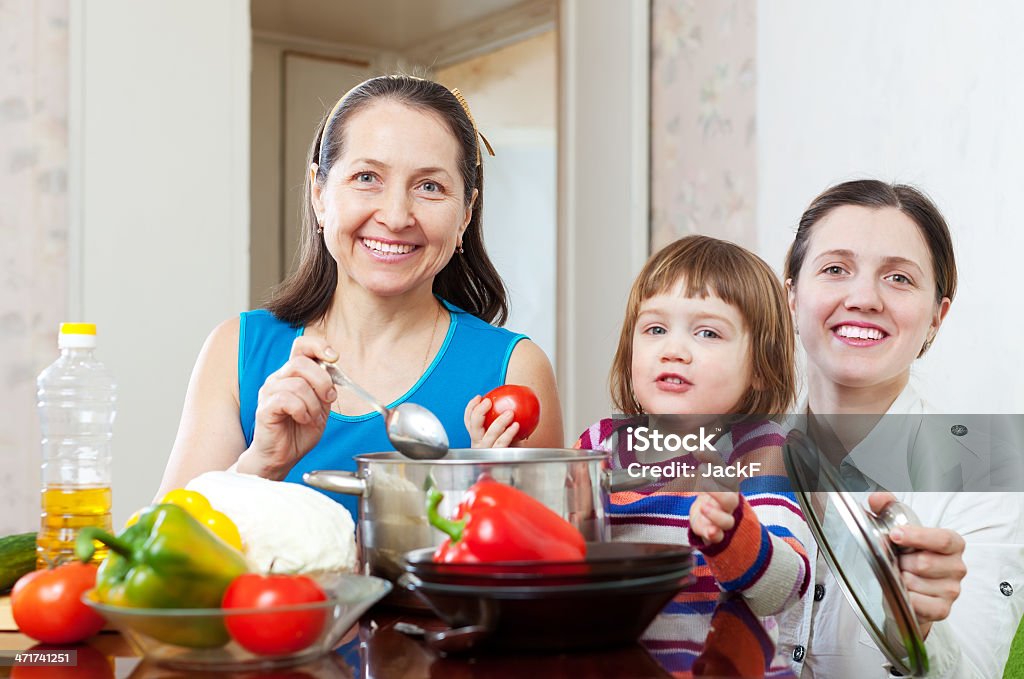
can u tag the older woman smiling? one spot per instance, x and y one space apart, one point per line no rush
393 283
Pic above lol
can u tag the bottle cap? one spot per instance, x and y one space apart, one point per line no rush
77 336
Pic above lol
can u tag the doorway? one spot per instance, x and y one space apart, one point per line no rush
502 55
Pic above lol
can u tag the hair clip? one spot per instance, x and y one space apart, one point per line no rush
465 107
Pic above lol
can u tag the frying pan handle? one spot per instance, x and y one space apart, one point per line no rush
343 482
481 616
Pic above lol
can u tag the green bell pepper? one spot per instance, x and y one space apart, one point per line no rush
167 559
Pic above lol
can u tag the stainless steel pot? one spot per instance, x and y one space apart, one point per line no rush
392 488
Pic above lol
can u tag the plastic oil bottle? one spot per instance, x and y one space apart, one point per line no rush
77 397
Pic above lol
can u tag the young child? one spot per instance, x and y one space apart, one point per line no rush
707 334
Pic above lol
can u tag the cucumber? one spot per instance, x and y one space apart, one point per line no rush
17 557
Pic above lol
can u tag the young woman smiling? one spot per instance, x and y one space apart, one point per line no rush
871 276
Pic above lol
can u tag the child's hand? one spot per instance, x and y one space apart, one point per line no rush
711 515
501 432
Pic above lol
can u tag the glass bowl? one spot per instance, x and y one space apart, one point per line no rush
197 638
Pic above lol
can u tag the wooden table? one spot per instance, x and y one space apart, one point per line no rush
374 648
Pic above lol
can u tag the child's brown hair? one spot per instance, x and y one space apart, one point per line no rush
739 277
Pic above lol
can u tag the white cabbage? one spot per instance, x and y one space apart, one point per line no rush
289 525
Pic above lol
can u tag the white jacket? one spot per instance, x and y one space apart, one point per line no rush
824 637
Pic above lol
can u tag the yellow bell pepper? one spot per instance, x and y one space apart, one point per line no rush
224 528
218 523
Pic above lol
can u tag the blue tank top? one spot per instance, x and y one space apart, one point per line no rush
473 359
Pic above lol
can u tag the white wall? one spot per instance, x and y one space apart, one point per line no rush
520 229
512 96
275 174
265 263
511 87
602 191
159 178
924 92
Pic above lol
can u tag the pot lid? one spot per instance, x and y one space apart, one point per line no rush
856 546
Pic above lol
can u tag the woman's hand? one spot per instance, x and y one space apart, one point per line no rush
932 574
501 432
711 515
291 415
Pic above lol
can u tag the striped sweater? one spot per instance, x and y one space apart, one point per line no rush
729 642
762 557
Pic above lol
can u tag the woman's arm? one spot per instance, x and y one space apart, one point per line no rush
209 433
291 414
530 367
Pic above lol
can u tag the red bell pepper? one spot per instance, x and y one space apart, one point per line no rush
496 522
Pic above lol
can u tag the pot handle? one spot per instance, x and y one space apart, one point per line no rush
618 480
336 481
408 582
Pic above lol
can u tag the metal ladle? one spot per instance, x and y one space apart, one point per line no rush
413 430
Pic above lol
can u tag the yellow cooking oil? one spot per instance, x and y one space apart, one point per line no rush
66 510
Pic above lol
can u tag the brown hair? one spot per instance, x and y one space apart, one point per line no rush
872 193
739 277
468 281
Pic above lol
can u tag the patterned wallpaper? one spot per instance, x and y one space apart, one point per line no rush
703 123
34 233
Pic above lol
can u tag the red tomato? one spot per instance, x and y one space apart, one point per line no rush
279 632
91 664
47 605
519 399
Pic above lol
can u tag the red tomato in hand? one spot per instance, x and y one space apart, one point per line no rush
47 605
274 632
519 399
